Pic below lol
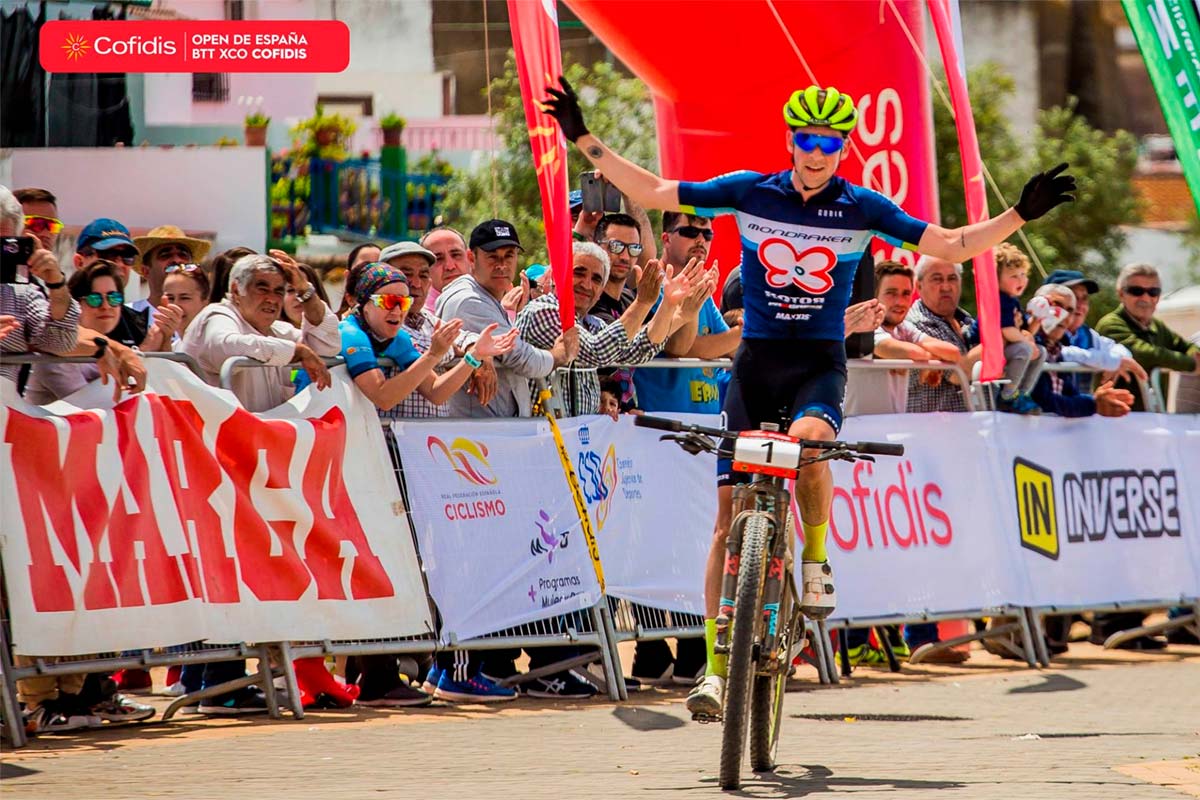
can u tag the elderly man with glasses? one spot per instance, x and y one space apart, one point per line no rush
1134 325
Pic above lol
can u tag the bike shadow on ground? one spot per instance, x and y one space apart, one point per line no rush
800 780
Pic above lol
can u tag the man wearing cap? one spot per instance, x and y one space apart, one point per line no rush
163 247
475 299
1081 344
1134 325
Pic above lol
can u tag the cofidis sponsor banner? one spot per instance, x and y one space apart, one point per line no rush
652 507
194 46
499 534
178 516
1102 510
920 533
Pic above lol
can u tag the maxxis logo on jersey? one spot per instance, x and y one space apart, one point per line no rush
807 269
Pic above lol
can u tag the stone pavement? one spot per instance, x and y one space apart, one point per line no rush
990 729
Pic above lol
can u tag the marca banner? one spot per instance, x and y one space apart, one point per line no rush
499 535
652 507
1168 34
539 63
1102 510
194 46
948 25
919 533
177 516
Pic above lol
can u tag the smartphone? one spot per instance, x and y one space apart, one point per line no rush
599 194
15 252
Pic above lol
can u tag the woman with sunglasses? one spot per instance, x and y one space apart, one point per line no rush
100 292
803 232
374 329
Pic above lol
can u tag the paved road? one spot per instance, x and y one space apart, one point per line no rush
1013 733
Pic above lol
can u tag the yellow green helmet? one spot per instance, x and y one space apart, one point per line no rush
824 107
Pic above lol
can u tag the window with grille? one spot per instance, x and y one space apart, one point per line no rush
210 87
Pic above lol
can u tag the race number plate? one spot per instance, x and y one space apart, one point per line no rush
767 453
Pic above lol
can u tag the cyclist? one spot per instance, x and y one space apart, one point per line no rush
803 232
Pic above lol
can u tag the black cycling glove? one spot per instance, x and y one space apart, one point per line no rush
1045 191
563 105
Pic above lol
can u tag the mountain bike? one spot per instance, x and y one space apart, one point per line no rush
762 630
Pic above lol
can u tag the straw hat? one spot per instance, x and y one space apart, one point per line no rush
171 234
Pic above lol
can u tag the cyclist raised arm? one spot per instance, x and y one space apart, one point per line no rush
1041 193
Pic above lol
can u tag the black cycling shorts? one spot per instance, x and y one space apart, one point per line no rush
782 380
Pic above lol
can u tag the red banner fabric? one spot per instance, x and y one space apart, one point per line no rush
987 292
539 63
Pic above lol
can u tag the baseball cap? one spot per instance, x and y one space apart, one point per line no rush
406 249
575 198
535 271
494 234
1072 277
104 234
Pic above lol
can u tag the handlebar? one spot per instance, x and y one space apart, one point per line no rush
687 431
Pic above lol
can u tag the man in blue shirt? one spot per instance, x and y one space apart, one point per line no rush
803 232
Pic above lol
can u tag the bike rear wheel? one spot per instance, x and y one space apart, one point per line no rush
742 665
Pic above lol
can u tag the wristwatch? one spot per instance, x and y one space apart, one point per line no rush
101 347
307 294
60 284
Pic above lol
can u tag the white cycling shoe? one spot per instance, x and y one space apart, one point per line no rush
818 598
705 701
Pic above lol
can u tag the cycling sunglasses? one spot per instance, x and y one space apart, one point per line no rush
691 232
1138 291
95 299
616 247
388 302
35 223
187 269
118 256
811 141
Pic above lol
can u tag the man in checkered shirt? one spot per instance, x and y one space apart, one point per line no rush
601 344
937 314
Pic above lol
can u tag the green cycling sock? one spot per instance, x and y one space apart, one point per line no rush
717 664
814 541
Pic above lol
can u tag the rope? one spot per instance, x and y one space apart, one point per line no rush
487 69
937 84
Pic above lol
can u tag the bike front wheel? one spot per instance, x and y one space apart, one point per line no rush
742 665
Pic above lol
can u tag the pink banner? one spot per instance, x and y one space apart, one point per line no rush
987 292
539 61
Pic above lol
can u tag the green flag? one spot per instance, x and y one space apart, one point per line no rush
1168 34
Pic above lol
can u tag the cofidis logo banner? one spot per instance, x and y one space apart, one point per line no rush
195 46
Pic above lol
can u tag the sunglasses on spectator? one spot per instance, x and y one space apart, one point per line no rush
35 223
95 299
1138 291
691 232
118 256
187 269
389 302
616 246
812 141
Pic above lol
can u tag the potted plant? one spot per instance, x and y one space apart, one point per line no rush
392 126
256 129
328 135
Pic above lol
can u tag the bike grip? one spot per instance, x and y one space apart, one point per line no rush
661 423
879 449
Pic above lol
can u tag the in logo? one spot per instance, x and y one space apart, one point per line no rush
466 457
1035 507
585 436
598 480
809 270
76 47
547 541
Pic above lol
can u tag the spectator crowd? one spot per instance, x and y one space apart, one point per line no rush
452 326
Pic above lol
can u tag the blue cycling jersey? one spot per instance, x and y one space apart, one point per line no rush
799 258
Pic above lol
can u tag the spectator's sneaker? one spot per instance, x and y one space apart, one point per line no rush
901 651
118 710
561 685
243 701
399 697
1024 404
705 701
633 684
480 689
48 719
176 689
866 656
132 680
819 598
432 679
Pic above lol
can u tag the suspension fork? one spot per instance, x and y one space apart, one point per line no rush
774 586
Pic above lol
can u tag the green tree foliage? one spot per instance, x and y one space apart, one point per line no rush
617 109
1083 235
